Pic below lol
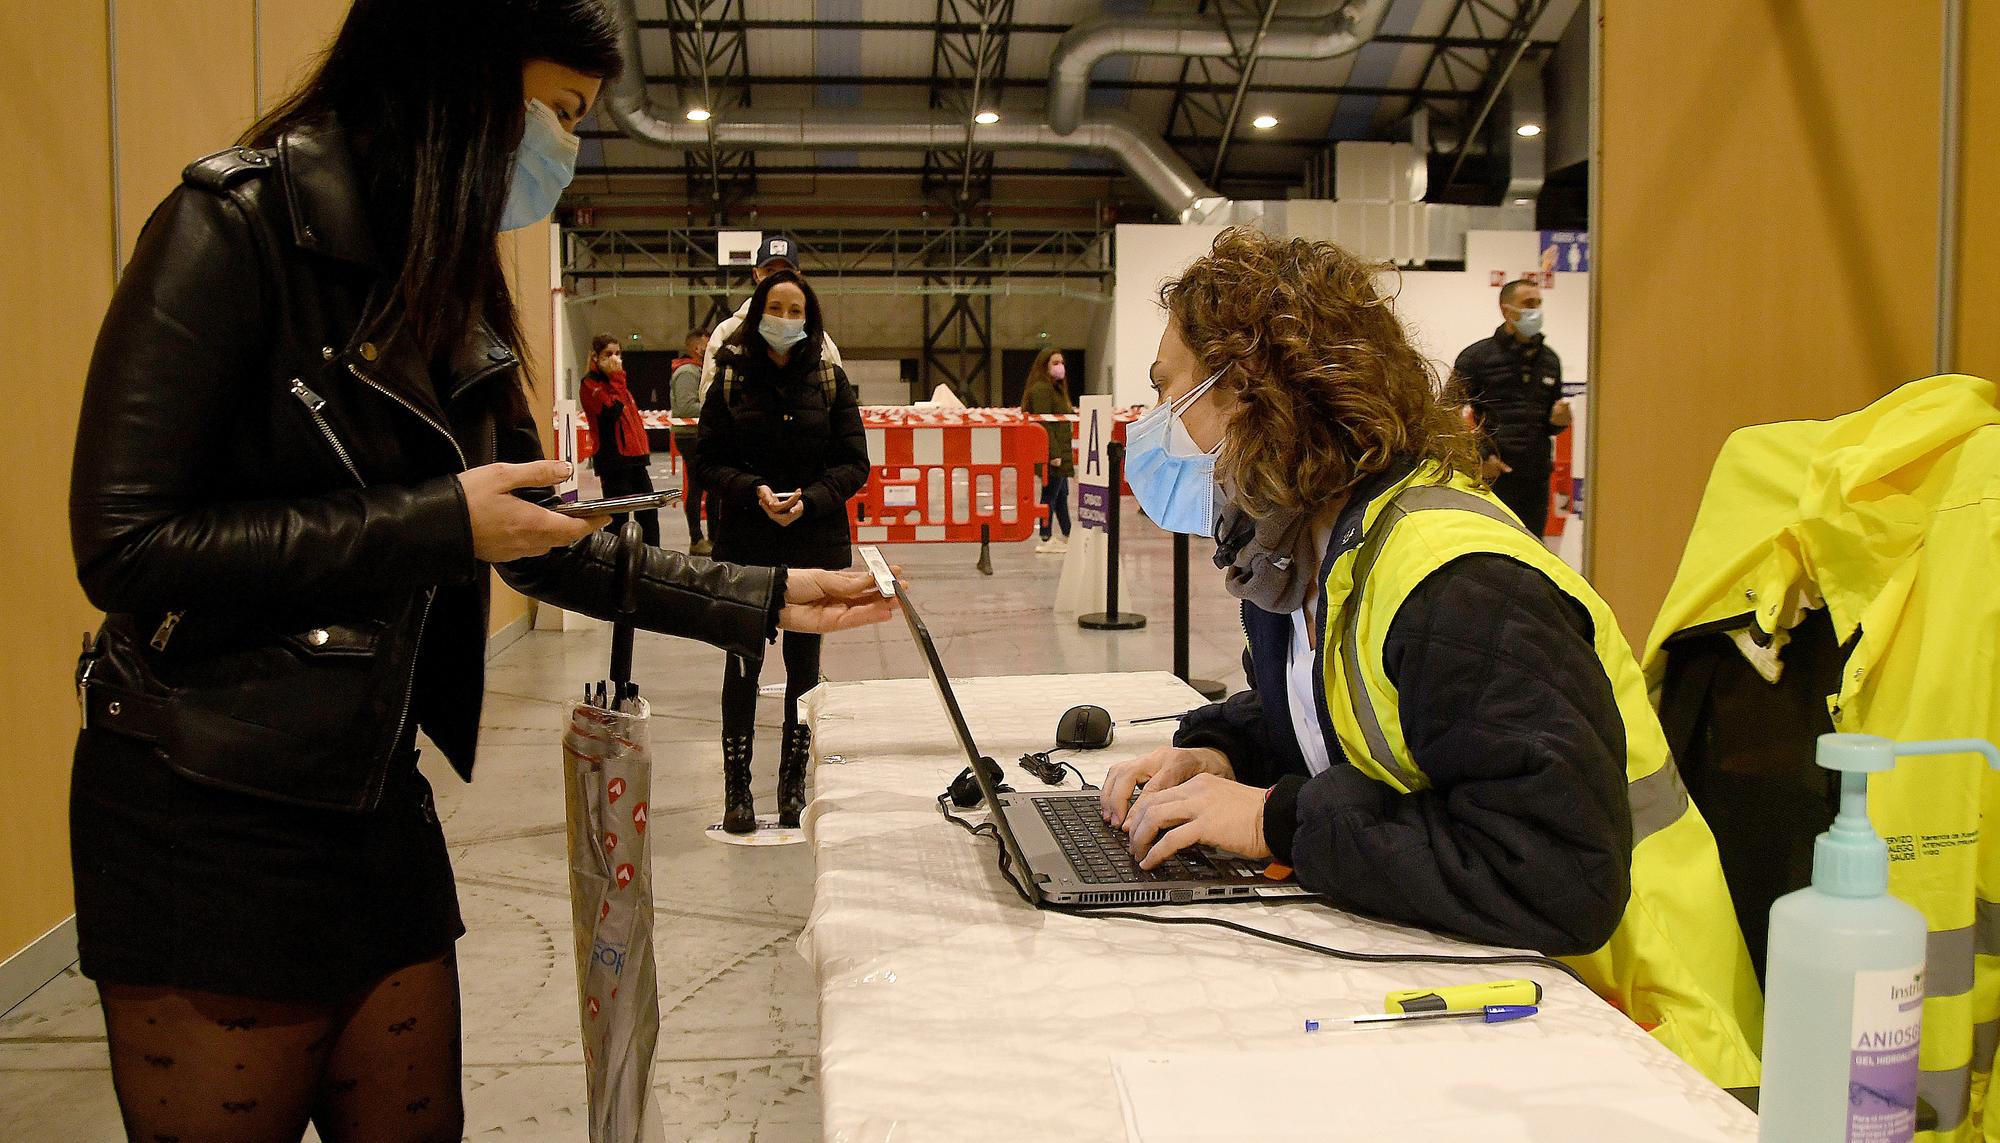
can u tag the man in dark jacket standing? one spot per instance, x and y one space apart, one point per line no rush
1513 381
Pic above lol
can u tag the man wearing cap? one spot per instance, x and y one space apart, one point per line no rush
776 252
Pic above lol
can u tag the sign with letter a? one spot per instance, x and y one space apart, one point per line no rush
1093 474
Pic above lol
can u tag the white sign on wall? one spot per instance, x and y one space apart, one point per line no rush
737 247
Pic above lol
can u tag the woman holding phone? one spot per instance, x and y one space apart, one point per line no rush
782 450
304 438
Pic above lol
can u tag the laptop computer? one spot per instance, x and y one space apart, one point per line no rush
1063 853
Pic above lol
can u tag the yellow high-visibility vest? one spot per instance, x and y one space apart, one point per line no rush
1889 518
1677 964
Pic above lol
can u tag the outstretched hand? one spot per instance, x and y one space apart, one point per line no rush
819 601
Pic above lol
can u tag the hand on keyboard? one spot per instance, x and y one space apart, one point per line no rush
1204 810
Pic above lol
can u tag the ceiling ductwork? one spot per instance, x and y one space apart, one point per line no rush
1142 154
1088 42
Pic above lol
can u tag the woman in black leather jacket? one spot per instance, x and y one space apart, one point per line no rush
782 451
304 438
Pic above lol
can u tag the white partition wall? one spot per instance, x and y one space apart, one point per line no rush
1146 256
1444 310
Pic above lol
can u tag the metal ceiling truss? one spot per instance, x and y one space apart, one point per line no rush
1208 96
930 260
1468 68
968 73
1013 29
711 69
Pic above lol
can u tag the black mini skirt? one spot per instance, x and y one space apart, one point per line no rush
182 885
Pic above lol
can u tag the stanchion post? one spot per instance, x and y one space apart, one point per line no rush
1209 688
1111 619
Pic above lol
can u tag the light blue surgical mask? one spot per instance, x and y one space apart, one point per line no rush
1173 479
543 166
1529 323
780 333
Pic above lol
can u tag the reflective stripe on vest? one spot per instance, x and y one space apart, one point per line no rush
1658 800
1414 498
1950 968
1949 1093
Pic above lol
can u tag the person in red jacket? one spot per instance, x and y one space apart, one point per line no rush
622 451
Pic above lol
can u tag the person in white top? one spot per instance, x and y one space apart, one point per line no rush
777 252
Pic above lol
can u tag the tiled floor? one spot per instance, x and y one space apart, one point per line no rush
739 1028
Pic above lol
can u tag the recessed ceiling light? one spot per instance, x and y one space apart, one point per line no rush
697 114
1524 202
1528 130
1264 122
987 118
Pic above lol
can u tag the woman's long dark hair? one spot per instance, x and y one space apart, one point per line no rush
749 340
429 94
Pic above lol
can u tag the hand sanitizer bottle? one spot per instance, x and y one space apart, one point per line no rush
1844 1004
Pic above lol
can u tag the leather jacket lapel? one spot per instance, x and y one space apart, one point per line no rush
329 213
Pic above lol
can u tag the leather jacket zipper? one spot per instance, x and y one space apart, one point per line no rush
314 403
420 414
430 594
168 622
409 695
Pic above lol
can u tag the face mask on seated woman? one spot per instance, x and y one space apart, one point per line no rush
1173 479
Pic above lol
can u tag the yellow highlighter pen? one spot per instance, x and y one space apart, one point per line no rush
1463 997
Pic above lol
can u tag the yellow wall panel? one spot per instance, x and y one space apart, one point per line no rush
186 88
56 256
525 256
1766 245
1979 191
292 35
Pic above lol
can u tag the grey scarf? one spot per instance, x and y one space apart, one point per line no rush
1272 562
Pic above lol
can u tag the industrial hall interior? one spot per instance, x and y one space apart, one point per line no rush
879 571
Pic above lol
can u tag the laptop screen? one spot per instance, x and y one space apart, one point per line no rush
941 683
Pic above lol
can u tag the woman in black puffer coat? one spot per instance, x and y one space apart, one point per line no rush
782 450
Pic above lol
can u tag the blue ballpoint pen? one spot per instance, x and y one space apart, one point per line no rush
1491 1014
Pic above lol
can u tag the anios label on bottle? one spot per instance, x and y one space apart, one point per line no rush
1882 1071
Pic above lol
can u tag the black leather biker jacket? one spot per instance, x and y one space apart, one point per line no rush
265 499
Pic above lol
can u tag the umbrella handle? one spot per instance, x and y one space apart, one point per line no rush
631 546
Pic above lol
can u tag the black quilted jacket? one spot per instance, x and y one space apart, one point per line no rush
1525 837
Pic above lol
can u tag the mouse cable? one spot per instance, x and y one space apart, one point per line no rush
1532 960
1083 781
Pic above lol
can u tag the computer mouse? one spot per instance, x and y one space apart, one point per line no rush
1084 728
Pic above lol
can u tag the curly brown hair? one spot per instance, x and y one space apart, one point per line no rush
1328 388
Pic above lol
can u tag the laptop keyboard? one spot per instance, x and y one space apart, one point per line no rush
1098 852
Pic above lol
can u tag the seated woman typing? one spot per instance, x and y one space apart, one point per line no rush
1446 728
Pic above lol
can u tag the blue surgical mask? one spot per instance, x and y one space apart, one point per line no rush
543 167
780 333
1173 479
1529 323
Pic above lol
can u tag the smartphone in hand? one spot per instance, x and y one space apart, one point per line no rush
615 505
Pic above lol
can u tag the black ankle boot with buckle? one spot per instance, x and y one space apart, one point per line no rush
792 775
739 813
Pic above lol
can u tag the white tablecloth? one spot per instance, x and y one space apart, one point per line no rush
951 1010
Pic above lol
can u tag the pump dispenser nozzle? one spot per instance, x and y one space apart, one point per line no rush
1850 859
